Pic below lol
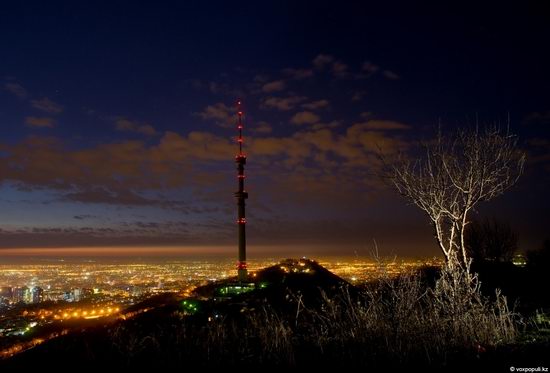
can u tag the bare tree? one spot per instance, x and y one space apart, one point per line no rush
453 173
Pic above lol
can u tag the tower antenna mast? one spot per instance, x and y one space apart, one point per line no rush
241 196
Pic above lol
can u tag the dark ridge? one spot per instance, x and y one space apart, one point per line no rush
227 324
278 288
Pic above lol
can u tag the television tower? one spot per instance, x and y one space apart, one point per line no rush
241 195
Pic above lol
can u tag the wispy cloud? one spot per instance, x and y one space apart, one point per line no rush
315 105
383 125
323 60
135 173
46 105
328 62
304 117
358 96
370 67
220 113
125 125
283 103
340 69
40 122
390 75
85 216
108 196
262 128
298 73
16 89
275 86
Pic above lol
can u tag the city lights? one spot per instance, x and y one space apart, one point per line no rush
81 293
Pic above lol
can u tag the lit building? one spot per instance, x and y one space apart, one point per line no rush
6 292
77 294
37 294
20 294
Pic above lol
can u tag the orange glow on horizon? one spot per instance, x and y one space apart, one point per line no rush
284 250
110 251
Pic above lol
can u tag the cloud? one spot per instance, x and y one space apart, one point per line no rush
358 96
304 117
317 163
123 173
45 161
370 68
323 60
383 125
321 125
372 141
104 195
16 89
85 216
261 78
40 122
340 69
315 105
64 240
125 125
46 105
298 74
390 75
214 87
283 103
137 173
262 128
275 86
220 113
366 114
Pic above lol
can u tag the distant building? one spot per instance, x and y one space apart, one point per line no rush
37 295
27 295
21 294
136 291
6 292
68 296
77 294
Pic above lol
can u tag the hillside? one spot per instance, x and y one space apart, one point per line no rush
298 314
282 288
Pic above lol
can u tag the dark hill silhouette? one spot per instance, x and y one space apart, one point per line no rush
295 313
279 288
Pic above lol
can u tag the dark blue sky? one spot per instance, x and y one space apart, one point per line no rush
117 118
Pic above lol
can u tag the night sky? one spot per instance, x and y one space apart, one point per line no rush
118 120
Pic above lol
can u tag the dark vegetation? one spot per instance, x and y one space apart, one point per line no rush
301 315
539 260
491 240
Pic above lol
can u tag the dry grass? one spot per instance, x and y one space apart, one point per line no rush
402 321
393 321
